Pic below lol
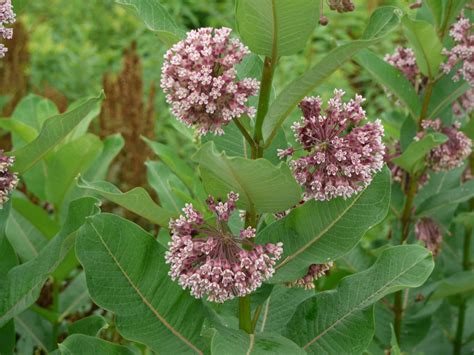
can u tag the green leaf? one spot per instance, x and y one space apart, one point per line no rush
25 281
279 308
79 344
74 297
55 129
34 331
443 199
466 218
276 28
69 161
236 342
91 325
445 92
461 282
25 238
126 274
7 338
382 21
258 182
320 231
426 45
412 159
37 216
136 200
341 321
391 78
176 164
436 9
156 18
394 348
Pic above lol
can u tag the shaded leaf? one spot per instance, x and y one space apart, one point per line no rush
91 325
79 344
320 231
126 274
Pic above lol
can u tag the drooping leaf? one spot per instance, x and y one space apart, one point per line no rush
126 274
341 320
426 45
258 182
382 21
412 159
79 344
276 28
54 130
445 92
35 332
91 325
136 200
37 216
25 281
70 160
320 231
235 342
157 19
391 78
443 199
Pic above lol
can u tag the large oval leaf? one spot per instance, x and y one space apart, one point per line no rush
258 182
321 231
276 27
340 321
382 21
127 275
79 344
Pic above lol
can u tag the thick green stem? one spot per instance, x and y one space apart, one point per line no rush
263 102
398 307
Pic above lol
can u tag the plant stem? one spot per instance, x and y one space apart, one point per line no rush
398 307
264 101
466 266
245 133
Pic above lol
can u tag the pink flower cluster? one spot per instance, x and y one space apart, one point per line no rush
200 80
429 232
8 180
210 261
341 5
404 60
315 271
7 16
450 154
339 162
463 51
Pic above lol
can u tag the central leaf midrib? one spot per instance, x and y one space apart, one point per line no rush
143 298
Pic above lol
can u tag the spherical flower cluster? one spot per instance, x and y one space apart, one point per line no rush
8 180
464 104
200 80
315 271
429 232
404 60
211 261
338 162
7 16
463 51
450 154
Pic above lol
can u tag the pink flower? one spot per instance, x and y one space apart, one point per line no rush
8 180
200 80
450 154
210 261
7 16
429 232
463 51
404 60
341 5
338 162
315 271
